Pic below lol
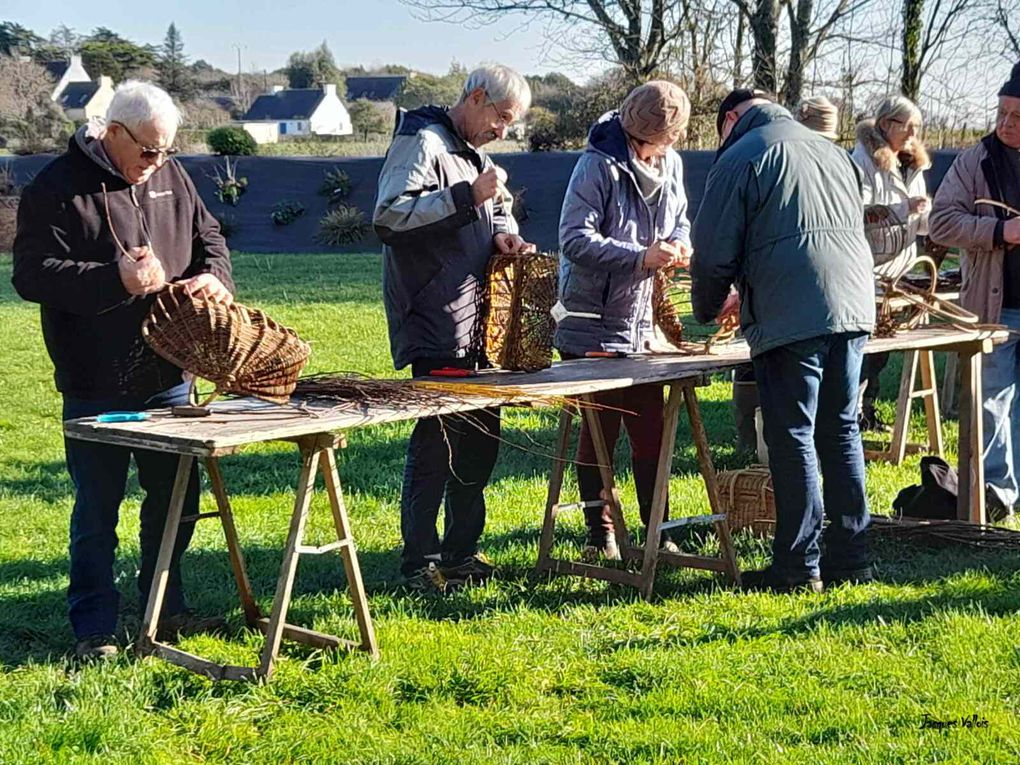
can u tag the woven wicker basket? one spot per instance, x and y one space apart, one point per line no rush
519 296
748 498
664 312
238 349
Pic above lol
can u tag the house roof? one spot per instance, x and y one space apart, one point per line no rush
56 69
297 104
375 88
77 94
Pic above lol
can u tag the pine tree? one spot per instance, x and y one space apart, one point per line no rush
172 65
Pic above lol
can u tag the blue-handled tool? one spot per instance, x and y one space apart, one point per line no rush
122 417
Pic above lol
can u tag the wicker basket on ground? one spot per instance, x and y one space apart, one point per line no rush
238 349
748 499
519 296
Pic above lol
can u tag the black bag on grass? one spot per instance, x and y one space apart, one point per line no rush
935 497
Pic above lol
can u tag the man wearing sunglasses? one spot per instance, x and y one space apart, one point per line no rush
101 229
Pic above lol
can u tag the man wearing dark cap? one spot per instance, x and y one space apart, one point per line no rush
977 208
782 219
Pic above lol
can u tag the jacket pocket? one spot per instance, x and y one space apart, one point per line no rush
585 289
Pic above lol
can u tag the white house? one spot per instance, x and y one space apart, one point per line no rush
66 72
300 111
81 101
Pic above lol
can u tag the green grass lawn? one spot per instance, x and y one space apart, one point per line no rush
524 670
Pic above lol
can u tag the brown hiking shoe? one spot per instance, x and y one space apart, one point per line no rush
96 648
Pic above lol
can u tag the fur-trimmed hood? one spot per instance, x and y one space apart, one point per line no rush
871 138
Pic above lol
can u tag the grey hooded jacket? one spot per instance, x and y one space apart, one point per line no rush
782 219
605 228
437 243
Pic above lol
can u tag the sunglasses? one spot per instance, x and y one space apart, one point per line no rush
149 152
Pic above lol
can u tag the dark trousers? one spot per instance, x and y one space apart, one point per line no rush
99 473
808 395
642 415
871 373
450 456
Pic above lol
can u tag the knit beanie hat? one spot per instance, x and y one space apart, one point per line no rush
1012 85
655 112
820 115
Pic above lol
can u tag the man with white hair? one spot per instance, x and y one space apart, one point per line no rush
101 229
977 208
441 216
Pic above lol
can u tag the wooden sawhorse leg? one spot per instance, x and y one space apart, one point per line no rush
317 453
899 446
649 554
971 467
553 507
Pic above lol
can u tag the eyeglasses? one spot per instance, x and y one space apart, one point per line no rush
149 152
506 119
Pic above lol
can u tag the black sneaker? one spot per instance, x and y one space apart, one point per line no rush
473 570
768 580
427 579
837 576
96 648
188 623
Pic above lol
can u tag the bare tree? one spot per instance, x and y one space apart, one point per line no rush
1006 17
811 24
29 120
927 33
633 34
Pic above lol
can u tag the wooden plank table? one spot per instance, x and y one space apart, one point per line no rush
239 423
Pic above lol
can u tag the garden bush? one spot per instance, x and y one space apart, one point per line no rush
344 224
231 140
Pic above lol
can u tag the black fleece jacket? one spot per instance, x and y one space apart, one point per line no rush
65 259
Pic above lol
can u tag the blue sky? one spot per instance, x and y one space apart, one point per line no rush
367 32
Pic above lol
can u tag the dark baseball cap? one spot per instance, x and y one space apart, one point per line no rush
735 99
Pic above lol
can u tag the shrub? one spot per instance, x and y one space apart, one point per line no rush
336 184
543 130
229 187
231 140
286 212
344 224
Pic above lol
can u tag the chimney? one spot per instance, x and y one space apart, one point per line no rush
105 82
277 88
329 89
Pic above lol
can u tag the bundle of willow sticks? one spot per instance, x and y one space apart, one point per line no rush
946 532
342 391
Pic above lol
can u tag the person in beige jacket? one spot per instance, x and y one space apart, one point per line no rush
989 236
892 159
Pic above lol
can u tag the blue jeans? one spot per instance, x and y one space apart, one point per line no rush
808 393
1000 371
448 457
99 473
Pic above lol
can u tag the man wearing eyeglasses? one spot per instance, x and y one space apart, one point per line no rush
101 229
442 213
977 208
